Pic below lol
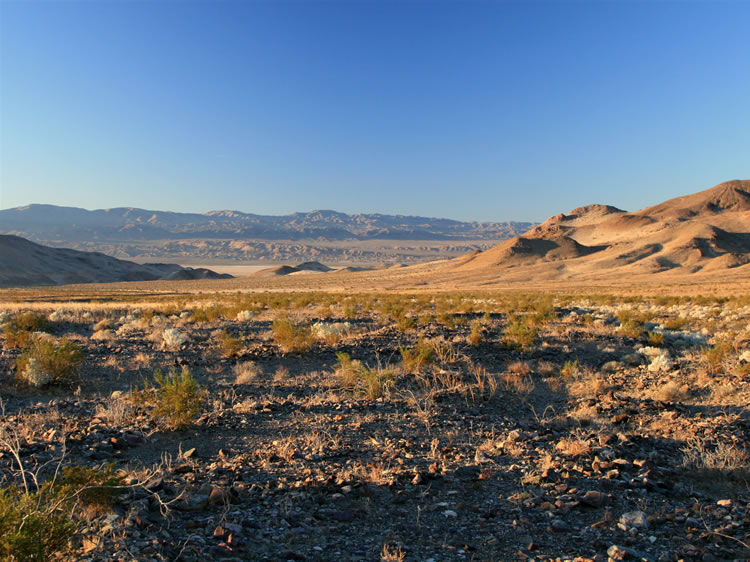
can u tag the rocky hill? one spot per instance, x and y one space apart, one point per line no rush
707 231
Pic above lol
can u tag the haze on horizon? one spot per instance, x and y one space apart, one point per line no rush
486 111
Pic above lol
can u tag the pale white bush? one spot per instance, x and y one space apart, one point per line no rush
56 316
4 317
327 331
34 375
244 316
684 338
70 315
128 328
172 338
650 351
661 362
659 358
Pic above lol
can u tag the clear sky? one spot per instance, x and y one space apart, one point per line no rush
474 110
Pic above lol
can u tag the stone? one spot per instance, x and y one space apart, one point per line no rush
635 519
559 525
617 553
218 496
593 498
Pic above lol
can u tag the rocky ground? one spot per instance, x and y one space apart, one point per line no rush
618 431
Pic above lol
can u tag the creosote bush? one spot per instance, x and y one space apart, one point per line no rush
30 527
569 370
418 357
521 332
47 361
290 337
19 331
655 339
177 398
677 323
631 329
475 335
228 344
37 524
715 355
363 380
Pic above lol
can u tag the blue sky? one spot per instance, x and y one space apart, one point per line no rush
478 110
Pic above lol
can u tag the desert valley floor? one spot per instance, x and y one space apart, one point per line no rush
395 425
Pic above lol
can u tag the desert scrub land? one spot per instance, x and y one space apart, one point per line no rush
378 426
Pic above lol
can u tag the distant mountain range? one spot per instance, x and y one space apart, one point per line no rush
140 233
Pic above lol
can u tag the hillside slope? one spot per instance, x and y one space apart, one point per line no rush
24 264
708 231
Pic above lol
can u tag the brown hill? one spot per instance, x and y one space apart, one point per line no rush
707 231
26 264
315 266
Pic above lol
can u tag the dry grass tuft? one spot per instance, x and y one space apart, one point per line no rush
727 459
245 373
574 447
589 384
671 392
118 411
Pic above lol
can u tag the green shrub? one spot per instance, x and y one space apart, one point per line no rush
30 527
92 486
475 335
417 357
405 323
47 361
447 319
19 331
714 356
210 313
656 339
363 380
676 324
37 525
570 369
631 328
521 332
228 344
349 310
291 337
426 318
178 398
